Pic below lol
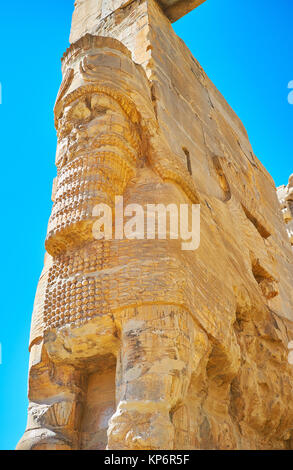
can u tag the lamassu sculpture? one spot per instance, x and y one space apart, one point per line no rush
136 343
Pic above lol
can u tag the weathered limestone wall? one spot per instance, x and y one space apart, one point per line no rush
135 343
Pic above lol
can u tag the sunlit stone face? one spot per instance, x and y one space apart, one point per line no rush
89 125
97 152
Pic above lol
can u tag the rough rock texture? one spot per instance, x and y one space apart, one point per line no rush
137 344
88 12
285 196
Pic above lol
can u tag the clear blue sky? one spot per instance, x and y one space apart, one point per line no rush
246 48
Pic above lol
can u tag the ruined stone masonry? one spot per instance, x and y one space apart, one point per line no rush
285 196
137 344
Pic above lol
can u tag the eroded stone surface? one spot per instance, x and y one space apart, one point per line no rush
88 13
136 344
285 196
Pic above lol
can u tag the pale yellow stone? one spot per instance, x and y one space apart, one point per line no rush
136 344
285 196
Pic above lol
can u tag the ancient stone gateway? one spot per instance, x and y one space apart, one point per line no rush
136 343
